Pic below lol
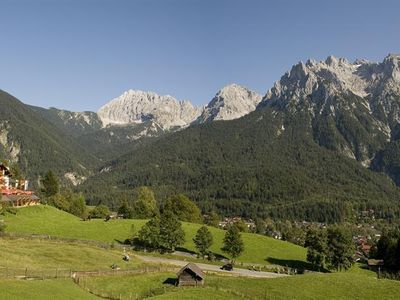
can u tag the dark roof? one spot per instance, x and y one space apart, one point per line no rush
194 268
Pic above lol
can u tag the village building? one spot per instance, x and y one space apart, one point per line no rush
15 192
190 275
375 264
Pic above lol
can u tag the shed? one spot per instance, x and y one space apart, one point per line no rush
190 275
375 264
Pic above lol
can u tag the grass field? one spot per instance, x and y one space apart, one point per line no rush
344 285
50 221
44 255
42 290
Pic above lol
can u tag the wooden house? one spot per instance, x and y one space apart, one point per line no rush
15 192
190 275
19 200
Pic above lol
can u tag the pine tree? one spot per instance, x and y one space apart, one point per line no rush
50 184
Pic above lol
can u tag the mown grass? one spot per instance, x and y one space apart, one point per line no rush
44 255
343 285
42 290
157 285
50 221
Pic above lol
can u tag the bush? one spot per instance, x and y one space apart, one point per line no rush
100 212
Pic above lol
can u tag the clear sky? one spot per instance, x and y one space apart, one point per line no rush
78 55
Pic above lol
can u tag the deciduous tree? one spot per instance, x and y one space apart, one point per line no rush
183 208
233 243
171 232
203 240
144 205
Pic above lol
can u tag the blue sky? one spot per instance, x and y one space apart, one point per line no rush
78 55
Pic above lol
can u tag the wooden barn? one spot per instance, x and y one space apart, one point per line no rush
190 275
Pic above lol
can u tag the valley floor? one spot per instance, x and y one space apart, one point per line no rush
51 266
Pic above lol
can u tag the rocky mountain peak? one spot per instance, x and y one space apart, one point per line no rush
135 106
231 102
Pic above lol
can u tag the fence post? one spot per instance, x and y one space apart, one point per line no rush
26 273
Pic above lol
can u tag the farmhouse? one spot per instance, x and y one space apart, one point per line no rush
190 275
15 192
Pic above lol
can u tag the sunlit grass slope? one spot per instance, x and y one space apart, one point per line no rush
51 221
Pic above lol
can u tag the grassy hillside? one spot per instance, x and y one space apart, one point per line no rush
51 255
51 221
42 290
313 286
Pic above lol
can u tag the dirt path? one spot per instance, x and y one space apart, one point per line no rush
207 267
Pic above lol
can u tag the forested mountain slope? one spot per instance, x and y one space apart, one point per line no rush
250 166
36 145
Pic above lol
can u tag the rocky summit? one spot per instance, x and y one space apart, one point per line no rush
138 106
352 107
231 102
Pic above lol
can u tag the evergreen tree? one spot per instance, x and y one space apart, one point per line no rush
233 243
203 240
171 232
50 185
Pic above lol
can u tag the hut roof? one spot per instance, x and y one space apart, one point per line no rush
194 268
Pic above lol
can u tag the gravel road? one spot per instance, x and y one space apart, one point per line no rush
207 267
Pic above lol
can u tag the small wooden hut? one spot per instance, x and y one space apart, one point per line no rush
190 275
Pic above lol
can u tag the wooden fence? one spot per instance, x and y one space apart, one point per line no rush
26 273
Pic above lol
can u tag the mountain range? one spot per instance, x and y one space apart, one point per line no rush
323 136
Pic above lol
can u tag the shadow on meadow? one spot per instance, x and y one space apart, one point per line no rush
294 264
171 281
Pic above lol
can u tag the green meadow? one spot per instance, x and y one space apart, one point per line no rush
42 290
51 221
343 285
38 254
356 283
